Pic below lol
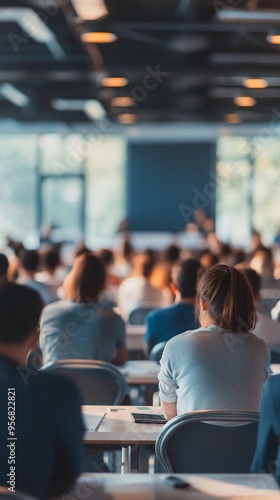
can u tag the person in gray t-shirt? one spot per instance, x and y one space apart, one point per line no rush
80 327
221 365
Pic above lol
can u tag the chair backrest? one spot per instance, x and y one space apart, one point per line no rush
138 314
269 299
274 357
196 443
156 352
100 383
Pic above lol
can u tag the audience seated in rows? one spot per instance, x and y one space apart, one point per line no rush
163 324
221 365
83 326
266 329
29 264
47 455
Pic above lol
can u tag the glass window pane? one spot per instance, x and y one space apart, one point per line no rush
18 156
62 155
62 207
105 205
233 188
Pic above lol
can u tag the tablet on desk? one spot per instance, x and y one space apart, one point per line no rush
148 418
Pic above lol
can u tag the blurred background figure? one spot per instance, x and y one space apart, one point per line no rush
29 265
137 291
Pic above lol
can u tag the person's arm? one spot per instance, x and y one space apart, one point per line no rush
267 441
169 410
167 384
69 452
121 356
148 342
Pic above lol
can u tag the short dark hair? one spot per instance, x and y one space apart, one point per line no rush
184 276
254 280
229 297
20 311
51 258
106 255
29 260
4 265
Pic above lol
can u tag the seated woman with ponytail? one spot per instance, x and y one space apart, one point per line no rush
221 365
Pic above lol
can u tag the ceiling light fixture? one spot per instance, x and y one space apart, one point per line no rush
90 9
232 118
33 25
273 38
122 101
245 101
127 118
13 95
99 37
114 81
255 83
91 107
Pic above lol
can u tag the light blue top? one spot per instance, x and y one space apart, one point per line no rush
74 330
211 368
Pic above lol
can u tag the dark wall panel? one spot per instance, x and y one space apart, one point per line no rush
167 182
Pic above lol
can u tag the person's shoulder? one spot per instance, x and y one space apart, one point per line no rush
160 312
56 385
186 336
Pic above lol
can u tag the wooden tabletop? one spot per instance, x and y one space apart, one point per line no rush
118 427
153 487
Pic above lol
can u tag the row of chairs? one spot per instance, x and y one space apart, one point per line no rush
193 442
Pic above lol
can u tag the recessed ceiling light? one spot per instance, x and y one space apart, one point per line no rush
273 38
114 81
232 118
245 101
122 101
99 37
90 9
127 118
255 83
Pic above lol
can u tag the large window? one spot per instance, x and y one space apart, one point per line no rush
74 183
248 177
18 160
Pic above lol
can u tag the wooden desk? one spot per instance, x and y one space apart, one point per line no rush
118 428
140 372
134 337
152 487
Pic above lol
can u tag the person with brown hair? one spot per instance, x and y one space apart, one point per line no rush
222 365
83 326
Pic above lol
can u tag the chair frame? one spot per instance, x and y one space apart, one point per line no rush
245 417
71 364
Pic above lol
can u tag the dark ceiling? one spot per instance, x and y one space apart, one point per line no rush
185 60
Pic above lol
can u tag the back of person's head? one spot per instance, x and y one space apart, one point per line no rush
142 265
229 298
208 259
184 276
51 259
86 279
106 255
29 260
171 253
254 280
4 265
20 311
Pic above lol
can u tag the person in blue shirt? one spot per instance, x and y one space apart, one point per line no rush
41 426
267 454
164 323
